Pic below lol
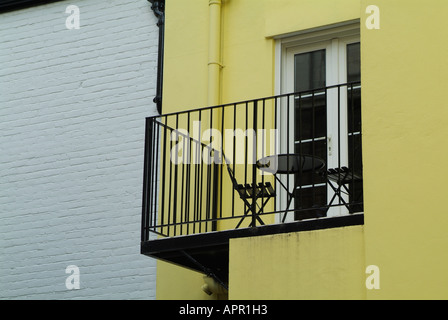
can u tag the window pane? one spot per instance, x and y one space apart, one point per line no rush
311 116
354 127
309 201
309 70
354 108
310 130
353 62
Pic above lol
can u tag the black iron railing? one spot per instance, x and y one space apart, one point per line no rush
270 160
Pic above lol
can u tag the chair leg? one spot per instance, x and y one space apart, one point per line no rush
249 208
337 192
291 195
259 220
244 217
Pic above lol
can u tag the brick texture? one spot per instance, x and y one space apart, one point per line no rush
72 110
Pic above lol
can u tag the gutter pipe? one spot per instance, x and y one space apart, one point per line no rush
214 53
158 6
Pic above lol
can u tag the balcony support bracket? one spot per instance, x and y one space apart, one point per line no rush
205 270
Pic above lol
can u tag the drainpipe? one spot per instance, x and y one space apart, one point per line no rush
214 52
158 6
213 92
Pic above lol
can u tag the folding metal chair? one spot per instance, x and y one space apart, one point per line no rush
246 192
338 179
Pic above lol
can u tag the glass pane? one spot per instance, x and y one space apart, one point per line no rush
310 130
316 149
355 186
311 116
309 202
309 70
354 108
353 62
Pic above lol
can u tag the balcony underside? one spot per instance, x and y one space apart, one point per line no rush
208 253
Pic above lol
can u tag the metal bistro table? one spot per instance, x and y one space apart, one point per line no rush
290 163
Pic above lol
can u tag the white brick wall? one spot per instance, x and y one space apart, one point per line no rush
72 110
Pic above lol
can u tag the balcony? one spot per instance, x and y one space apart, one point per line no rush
284 163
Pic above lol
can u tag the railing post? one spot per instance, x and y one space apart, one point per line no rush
254 167
146 207
216 180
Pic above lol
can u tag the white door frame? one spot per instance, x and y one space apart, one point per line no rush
334 40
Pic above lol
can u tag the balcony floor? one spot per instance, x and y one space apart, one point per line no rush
208 253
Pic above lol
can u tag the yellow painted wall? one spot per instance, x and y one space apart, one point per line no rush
247 54
287 16
248 59
185 55
247 45
177 283
321 264
405 123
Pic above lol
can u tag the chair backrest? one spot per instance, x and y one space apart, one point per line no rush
246 191
342 175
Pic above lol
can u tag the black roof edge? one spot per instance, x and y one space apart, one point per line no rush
12 5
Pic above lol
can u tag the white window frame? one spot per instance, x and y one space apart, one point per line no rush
334 39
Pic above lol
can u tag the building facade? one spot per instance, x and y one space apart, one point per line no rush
77 80
368 222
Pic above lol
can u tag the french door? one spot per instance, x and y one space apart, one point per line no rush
323 120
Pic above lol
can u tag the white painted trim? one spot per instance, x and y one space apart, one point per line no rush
334 40
346 28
